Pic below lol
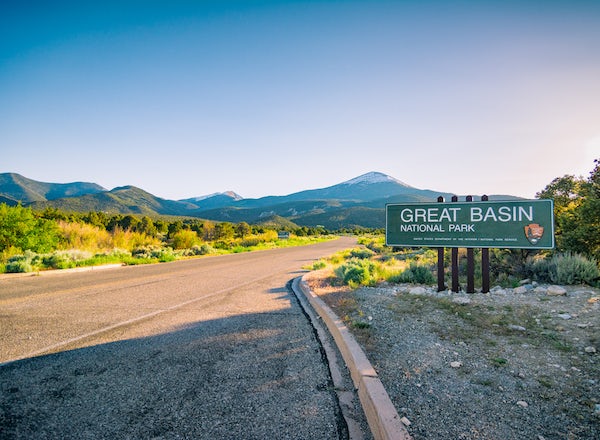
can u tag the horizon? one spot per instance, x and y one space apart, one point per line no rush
185 99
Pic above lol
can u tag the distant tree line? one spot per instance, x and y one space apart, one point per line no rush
23 229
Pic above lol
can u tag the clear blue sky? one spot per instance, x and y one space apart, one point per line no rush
186 98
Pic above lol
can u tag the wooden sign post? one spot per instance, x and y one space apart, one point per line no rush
485 263
440 262
455 284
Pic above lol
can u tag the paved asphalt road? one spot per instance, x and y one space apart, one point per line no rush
211 348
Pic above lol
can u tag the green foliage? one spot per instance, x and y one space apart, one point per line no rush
159 253
203 249
577 212
184 239
112 257
320 264
53 239
361 254
251 241
78 235
567 268
20 229
223 245
355 272
376 244
239 249
30 261
509 262
20 263
416 273
58 260
242 229
224 231
174 228
565 191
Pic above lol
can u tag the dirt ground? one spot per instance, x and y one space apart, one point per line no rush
512 364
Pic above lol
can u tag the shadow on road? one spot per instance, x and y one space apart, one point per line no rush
252 376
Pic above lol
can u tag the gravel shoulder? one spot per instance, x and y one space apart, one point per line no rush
512 364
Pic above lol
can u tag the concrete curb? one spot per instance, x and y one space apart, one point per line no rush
383 419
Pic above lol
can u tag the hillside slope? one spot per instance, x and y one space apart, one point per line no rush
122 200
15 188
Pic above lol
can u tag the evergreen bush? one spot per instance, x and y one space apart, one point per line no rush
18 266
416 274
203 249
361 254
355 272
57 261
568 268
251 241
161 254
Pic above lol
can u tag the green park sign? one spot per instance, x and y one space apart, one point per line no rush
523 224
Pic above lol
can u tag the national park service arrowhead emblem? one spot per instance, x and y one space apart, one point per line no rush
534 232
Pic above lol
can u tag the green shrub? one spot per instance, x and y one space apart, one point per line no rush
18 264
361 253
184 239
62 259
506 280
21 263
167 255
203 249
415 274
539 269
356 272
30 261
57 261
508 261
149 253
376 244
144 251
567 268
320 264
571 268
251 241
378 248
223 245
117 253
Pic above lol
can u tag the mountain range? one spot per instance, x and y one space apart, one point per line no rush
358 202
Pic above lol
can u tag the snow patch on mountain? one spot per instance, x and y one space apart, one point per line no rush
230 194
374 177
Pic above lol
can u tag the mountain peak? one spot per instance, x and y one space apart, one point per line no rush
374 177
231 194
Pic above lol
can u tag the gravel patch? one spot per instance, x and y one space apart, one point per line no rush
512 364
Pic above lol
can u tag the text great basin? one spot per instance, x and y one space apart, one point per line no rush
432 217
